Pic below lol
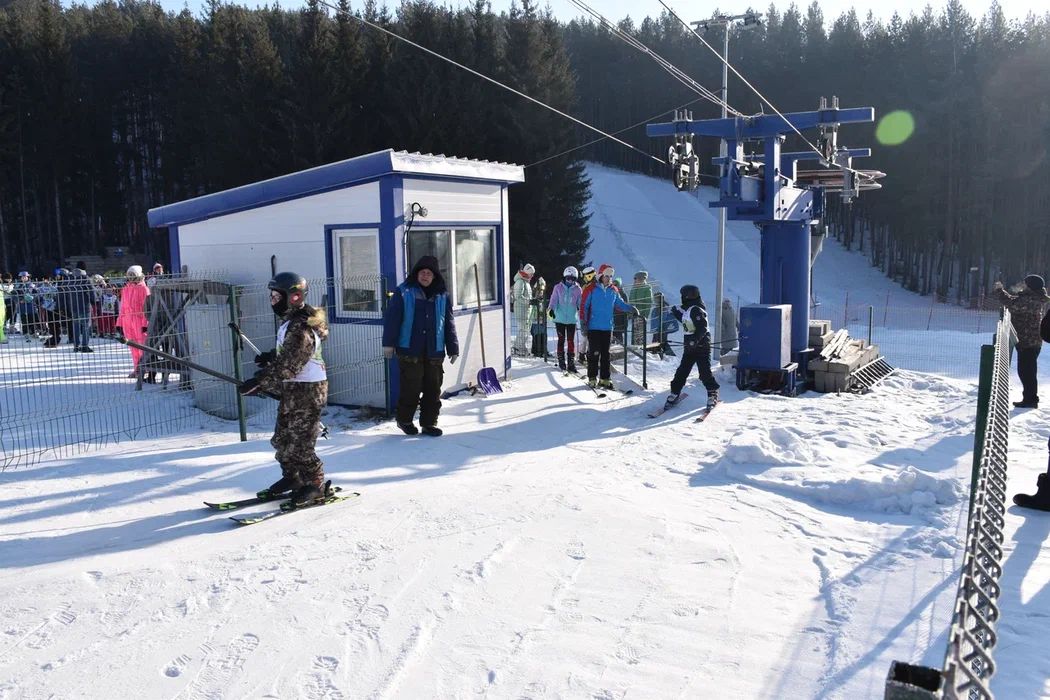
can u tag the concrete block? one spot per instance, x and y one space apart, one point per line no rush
818 327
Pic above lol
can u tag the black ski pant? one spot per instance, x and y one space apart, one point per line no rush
566 335
420 386
700 357
1027 366
598 354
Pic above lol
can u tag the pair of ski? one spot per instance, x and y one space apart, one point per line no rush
699 419
598 391
333 494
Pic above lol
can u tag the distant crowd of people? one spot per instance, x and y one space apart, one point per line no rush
44 307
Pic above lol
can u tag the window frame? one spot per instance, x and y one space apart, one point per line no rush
337 235
493 230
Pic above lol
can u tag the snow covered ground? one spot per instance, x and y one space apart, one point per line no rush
551 545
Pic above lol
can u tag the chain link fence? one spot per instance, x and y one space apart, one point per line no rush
969 663
67 384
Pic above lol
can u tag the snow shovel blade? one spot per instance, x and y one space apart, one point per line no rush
488 381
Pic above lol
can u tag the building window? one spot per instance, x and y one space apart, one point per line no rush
357 273
475 246
457 251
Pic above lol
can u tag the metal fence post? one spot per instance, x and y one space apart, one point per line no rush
645 352
242 419
984 397
871 322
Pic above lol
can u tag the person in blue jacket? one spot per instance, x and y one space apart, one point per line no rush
597 316
419 327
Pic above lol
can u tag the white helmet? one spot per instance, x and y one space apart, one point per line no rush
529 270
134 272
570 271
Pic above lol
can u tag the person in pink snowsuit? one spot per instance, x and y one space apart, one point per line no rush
132 318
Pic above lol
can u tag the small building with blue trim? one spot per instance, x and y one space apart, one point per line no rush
355 228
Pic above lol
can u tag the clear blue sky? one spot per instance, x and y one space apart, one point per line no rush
690 10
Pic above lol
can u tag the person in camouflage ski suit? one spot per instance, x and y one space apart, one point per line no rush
1026 312
295 371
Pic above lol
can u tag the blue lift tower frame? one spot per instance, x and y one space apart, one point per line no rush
773 198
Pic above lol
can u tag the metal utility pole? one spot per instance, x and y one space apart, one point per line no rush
747 20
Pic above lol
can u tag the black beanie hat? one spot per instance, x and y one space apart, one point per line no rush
427 262
1035 283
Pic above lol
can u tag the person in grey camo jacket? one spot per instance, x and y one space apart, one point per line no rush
1026 312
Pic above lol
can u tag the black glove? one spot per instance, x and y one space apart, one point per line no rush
550 312
265 358
249 386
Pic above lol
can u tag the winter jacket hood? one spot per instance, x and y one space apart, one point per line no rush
316 319
428 262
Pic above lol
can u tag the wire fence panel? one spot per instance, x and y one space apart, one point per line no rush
969 664
67 384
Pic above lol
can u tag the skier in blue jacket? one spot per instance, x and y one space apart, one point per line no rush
597 318
420 325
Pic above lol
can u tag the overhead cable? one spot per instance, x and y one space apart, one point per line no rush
435 54
677 73
626 128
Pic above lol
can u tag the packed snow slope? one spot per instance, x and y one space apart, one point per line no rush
551 545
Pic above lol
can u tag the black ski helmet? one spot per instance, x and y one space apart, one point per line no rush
293 288
690 292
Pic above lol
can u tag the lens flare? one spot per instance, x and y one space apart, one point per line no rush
895 128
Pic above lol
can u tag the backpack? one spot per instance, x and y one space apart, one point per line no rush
1044 327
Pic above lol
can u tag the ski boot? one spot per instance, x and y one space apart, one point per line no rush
310 492
284 485
408 428
592 382
561 361
712 399
572 366
432 431
672 399
1040 500
605 384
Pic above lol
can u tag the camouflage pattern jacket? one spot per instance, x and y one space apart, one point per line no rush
1026 312
298 348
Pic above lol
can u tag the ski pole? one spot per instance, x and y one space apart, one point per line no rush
188 363
205 370
238 331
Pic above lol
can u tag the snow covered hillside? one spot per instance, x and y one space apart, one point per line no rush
643 223
551 545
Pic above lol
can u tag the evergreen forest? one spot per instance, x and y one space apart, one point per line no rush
110 109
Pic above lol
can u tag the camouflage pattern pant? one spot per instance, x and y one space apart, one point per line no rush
298 425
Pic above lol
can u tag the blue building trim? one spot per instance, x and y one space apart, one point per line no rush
329 266
391 260
324 178
175 264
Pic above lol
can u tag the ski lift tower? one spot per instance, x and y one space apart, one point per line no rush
767 188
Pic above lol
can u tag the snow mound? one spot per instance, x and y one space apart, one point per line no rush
784 460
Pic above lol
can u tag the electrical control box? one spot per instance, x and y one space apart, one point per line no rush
765 336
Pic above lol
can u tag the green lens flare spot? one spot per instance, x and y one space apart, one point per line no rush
895 128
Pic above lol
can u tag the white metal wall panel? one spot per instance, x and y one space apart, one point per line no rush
454 201
242 243
465 371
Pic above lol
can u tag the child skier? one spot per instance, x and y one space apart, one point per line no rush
587 282
295 371
696 346
597 316
565 310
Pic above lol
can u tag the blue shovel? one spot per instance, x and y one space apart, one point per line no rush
487 378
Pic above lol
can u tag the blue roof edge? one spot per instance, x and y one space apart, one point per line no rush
323 178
